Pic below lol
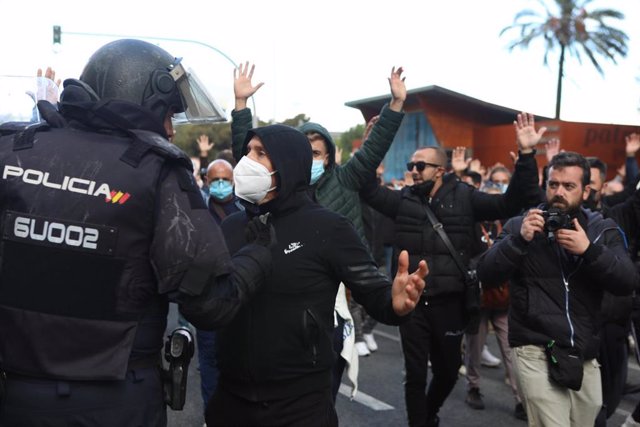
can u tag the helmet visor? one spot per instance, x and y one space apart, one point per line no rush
200 107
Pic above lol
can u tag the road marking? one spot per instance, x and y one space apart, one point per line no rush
623 412
365 399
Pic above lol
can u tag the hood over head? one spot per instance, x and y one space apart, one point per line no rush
291 156
319 129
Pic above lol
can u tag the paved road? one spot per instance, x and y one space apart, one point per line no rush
380 401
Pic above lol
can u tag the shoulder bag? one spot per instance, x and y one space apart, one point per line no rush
472 284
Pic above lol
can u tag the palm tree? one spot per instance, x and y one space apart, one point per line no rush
574 29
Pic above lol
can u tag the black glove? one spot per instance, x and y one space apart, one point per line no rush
260 231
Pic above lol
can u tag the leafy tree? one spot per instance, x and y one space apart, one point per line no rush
297 121
187 135
220 134
347 138
572 28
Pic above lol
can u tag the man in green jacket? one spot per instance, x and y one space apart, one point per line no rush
334 186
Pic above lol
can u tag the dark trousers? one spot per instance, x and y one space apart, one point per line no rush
434 333
613 368
208 363
313 409
136 401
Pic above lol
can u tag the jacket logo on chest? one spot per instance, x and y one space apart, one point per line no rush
292 247
72 184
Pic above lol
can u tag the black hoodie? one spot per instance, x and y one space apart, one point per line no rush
280 344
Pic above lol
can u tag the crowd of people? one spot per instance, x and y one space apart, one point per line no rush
283 259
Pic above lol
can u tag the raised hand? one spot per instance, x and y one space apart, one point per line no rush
526 135
48 86
204 145
458 162
476 166
407 288
632 144
338 155
398 89
370 124
49 74
243 88
552 148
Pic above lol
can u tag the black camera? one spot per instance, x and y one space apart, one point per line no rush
555 219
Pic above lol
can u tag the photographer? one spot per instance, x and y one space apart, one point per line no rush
559 259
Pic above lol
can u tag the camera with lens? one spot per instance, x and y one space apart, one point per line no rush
555 219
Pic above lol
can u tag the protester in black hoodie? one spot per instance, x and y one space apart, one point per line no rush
276 357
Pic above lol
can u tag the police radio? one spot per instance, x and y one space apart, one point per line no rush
178 351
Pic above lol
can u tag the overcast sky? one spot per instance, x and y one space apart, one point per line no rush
316 55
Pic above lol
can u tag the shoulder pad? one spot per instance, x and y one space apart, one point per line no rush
151 141
23 133
9 128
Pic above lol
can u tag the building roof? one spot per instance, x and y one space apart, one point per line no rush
436 96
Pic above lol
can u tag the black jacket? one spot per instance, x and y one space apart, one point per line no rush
281 343
458 206
537 270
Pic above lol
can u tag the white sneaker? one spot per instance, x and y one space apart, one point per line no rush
370 341
489 360
630 422
462 371
362 349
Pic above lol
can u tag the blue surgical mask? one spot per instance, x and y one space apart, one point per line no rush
220 189
503 187
317 169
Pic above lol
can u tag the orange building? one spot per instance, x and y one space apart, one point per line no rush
438 116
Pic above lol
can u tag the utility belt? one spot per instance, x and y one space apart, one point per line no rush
178 351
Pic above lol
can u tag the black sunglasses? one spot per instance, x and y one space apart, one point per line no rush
420 166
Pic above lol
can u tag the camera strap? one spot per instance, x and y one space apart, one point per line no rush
437 226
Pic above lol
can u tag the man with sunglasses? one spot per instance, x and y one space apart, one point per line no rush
435 331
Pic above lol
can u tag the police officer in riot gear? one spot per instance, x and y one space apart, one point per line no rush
102 226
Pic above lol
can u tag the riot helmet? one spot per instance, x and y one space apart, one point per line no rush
145 74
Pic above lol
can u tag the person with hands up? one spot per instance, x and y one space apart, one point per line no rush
434 332
276 356
332 185
559 258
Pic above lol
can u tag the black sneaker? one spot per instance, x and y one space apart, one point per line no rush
474 398
519 412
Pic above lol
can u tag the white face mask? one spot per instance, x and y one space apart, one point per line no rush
252 180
